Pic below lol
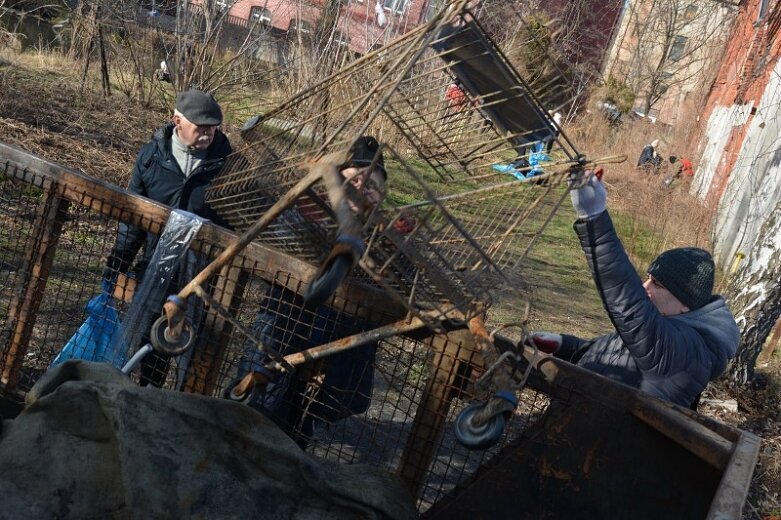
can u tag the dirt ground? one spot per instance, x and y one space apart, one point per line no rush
43 111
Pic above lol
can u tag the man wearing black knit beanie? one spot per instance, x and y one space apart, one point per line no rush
672 335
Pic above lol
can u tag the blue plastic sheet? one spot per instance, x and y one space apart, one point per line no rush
98 338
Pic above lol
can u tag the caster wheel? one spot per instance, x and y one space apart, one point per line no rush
478 437
230 392
324 286
163 343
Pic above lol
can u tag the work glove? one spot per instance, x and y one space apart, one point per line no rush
590 199
547 342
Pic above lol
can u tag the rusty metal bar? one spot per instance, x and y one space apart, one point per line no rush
735 481
207 360
688 433
238 245
23 310
354 341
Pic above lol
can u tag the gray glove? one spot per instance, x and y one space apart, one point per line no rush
590 199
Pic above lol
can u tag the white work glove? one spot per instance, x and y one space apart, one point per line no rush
590 199
547 342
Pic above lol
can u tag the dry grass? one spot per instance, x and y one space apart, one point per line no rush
672 216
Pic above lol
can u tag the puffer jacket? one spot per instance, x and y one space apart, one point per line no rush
157 175
670 357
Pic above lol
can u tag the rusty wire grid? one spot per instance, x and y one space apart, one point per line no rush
450 233
453 229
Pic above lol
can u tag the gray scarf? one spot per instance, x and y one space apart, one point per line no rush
188 159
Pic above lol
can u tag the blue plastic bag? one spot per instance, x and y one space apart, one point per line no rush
98 337
526 167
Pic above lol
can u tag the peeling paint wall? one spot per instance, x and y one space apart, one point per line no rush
739 171
754 185
717 135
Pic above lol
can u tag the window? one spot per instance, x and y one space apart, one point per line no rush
432 8
762 9
260 15
221 5
301 26
665 78
677 48
397 6
690 13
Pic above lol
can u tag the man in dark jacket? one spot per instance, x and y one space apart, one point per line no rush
174 168
672 336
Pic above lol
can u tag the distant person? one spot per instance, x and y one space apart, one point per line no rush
650 160
684 169
174 168
455 96
163 74
672 336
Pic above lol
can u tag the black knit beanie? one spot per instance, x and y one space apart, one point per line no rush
686 272
363 151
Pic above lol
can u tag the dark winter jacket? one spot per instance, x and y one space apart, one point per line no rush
157 176
649 156
671 357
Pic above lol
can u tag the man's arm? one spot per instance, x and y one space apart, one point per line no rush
654 341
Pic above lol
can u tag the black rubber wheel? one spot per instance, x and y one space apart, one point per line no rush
323 287
163 344
478 437
229 394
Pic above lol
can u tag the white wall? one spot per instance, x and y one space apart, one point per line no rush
754 185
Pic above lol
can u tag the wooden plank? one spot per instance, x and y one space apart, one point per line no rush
683 430
450 351
31 283
733 488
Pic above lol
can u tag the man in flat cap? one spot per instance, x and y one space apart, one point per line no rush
174 168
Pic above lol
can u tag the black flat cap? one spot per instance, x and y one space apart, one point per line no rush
199 108
363 152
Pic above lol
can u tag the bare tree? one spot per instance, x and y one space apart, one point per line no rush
670 43
755 297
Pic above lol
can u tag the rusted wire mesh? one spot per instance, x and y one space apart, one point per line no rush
468 178
55 235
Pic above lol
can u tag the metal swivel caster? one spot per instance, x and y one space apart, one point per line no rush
162 341
477 431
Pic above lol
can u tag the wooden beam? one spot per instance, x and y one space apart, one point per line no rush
31 282
733 488
451 351
683 430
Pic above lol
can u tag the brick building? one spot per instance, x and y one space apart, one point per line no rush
739 168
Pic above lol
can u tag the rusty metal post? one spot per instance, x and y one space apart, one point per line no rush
451 352
216 330
40 249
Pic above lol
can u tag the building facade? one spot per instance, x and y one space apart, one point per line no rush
668 50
